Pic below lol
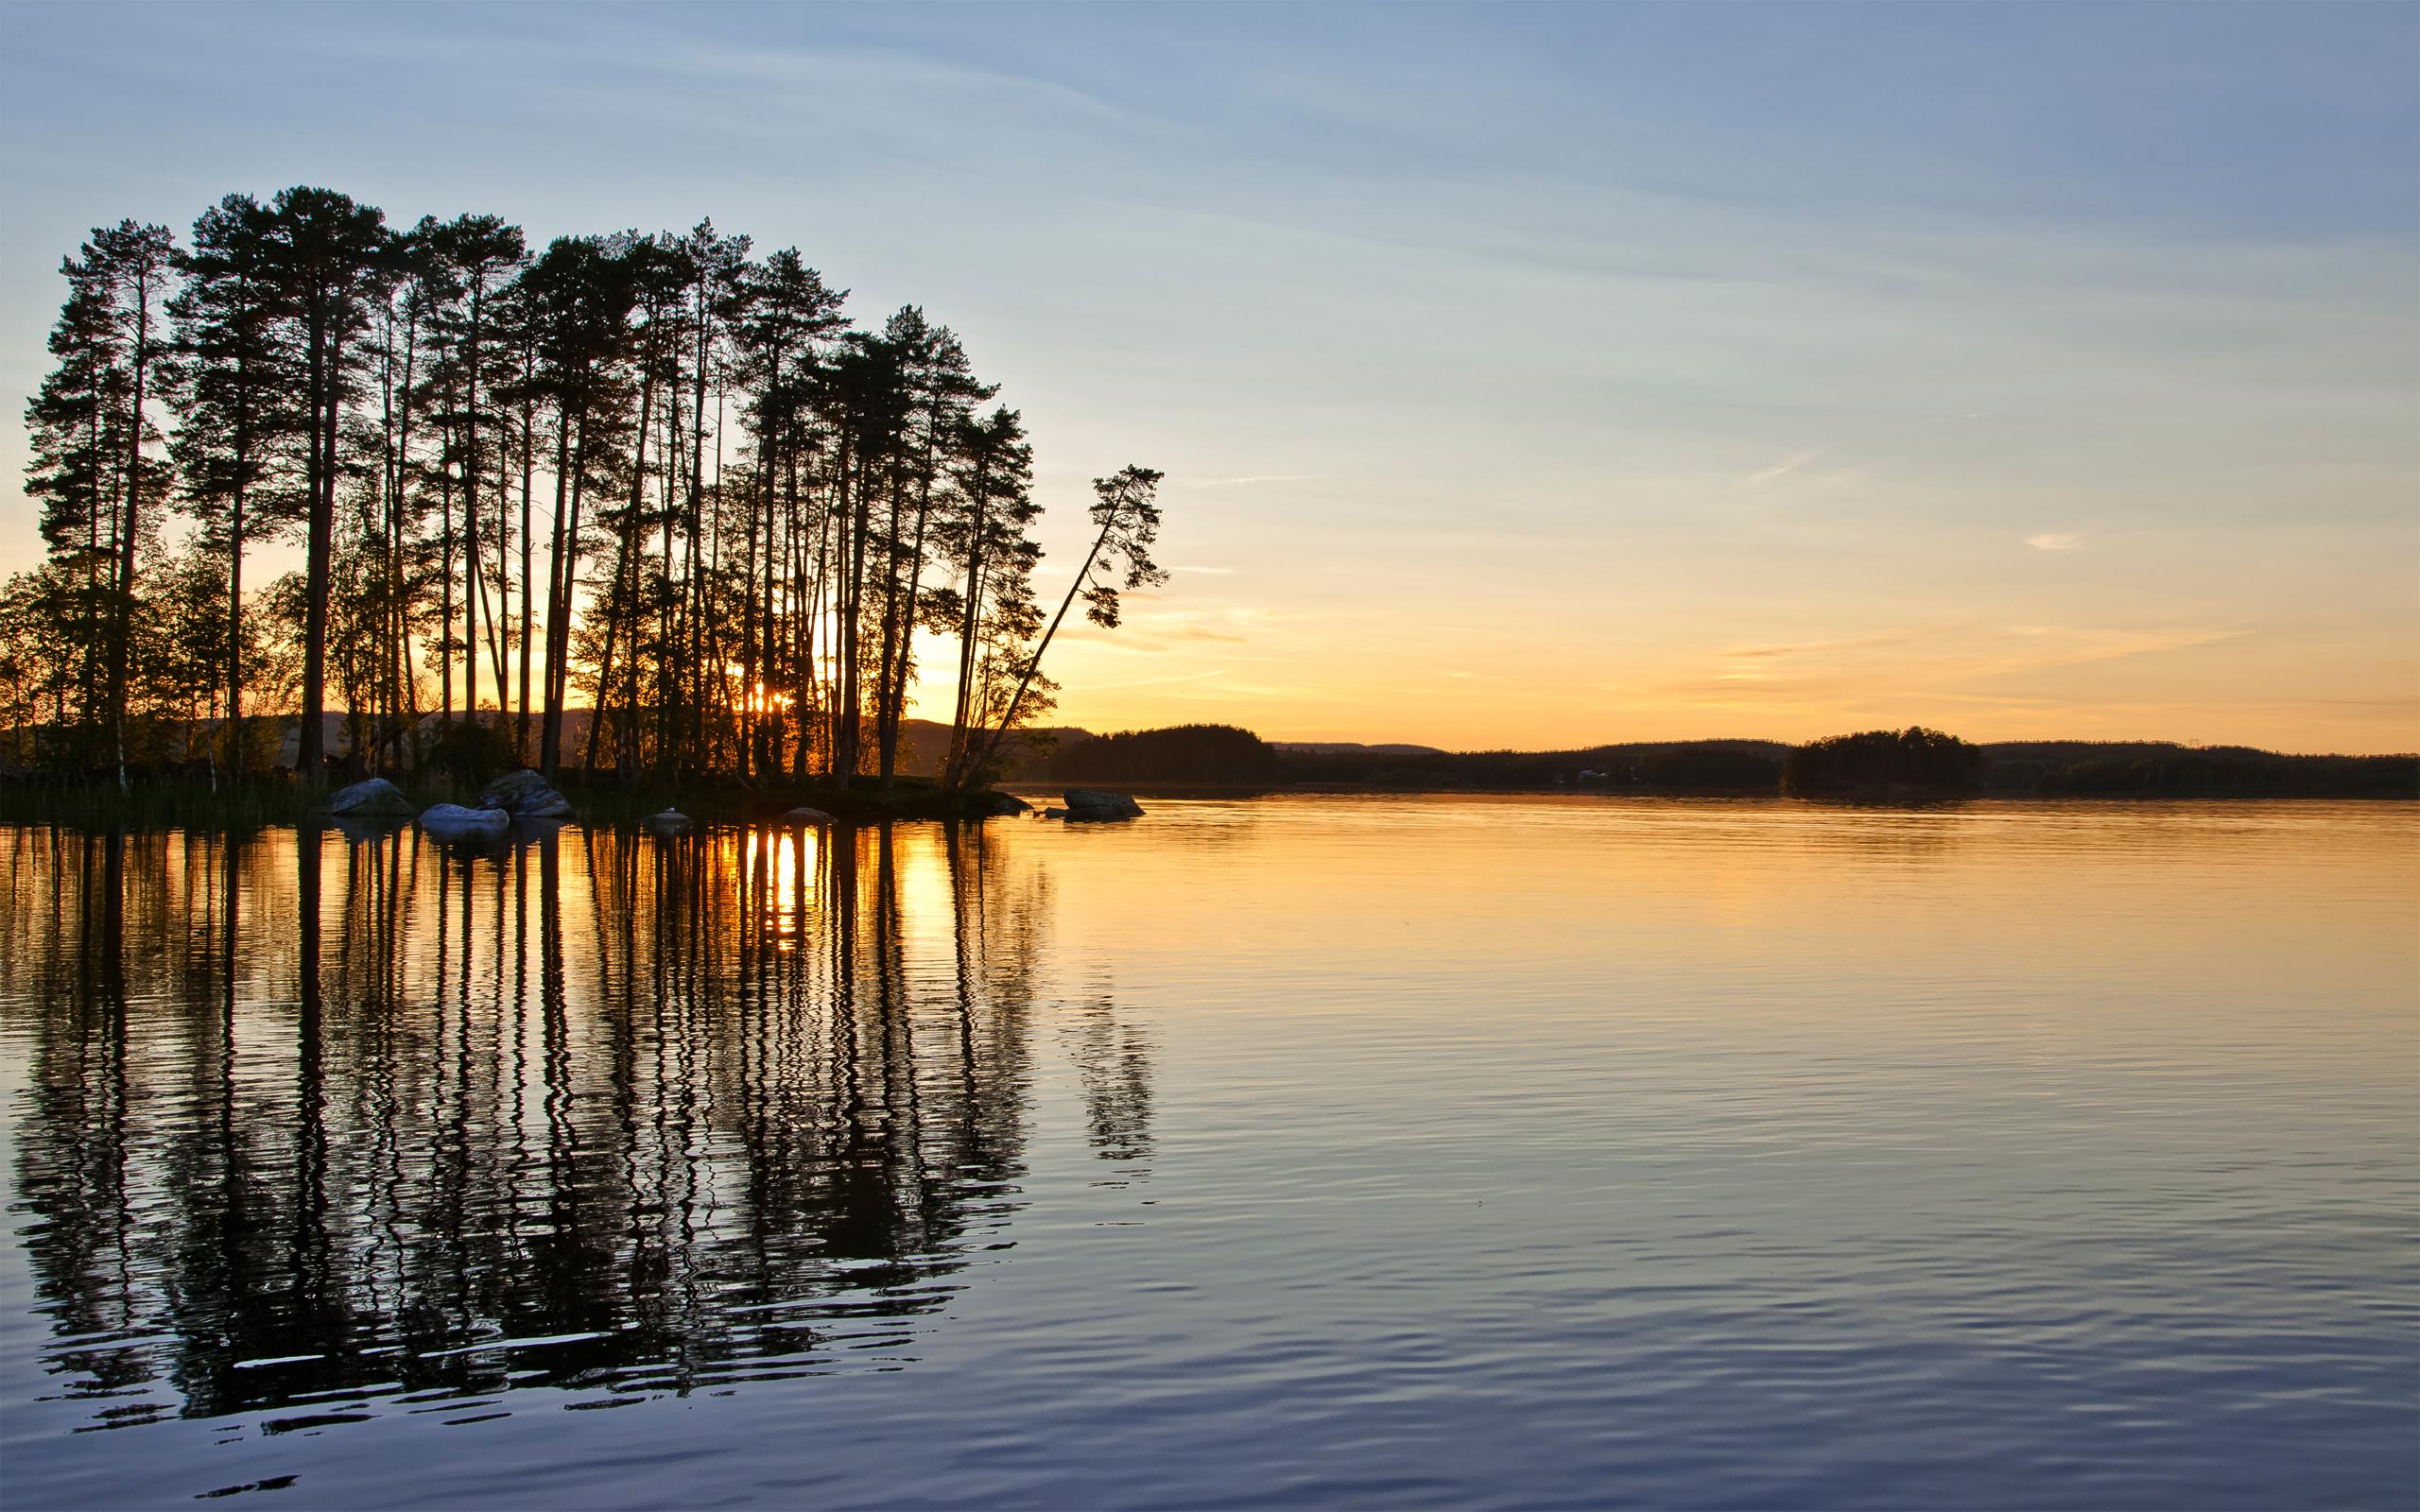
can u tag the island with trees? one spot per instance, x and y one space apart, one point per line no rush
646 510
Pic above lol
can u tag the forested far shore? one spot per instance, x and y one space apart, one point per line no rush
1883 764
657 475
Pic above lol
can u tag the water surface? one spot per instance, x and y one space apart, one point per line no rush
1301 1151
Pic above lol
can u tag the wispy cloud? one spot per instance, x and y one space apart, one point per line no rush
1152 626
2055 540
1247 482
1783 468
1907 636
2078 644
1155 682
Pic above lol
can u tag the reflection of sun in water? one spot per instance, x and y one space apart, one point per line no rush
927 892
790 875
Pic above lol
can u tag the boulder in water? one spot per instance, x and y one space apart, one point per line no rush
991 805
667 821
447 820
525 794
1091 804
370 800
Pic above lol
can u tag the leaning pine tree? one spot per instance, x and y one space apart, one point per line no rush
1129 522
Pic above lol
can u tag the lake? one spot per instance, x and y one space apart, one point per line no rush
1300 1151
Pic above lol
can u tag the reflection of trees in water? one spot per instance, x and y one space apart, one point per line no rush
1114 1059
307 1124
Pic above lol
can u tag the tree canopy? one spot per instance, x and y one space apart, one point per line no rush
658 477
1912 763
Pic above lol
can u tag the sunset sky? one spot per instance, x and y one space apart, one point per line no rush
1530 377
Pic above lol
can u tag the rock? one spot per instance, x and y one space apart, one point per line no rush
802 815
991 805
1091 804
525 794
445 820
1052 813
370 800
669 821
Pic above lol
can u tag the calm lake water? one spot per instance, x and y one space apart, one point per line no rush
1340 1152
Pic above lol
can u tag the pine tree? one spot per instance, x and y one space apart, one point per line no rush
235 400
92 468
327 252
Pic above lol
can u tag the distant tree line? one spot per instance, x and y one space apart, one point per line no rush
1912 763
657 475
1181 753
2234 774
1916 762
1696 767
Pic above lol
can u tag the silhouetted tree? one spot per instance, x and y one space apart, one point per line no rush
756 509
1128 522
326 250
235 401
1915 762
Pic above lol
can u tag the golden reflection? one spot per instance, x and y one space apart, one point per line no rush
691 1114
779 867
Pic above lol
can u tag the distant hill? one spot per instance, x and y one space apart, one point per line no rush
925 743
1333 747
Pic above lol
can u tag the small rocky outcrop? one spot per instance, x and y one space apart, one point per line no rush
525 794
990 805
667 821
375 799
1092 803
446 820
802 815
1052 813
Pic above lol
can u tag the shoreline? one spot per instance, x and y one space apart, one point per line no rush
259 802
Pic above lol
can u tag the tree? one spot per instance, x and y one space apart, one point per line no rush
780 328
235 396
580 299
137 259
1912 763
986 537
74 423
187 625
92 431
757 510
1180 753
1129 523
942 392
326 250
470 256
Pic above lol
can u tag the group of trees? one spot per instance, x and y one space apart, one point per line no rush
1722 766
1912 763
1180 753
657 477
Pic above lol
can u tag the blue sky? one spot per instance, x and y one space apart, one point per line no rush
1524 376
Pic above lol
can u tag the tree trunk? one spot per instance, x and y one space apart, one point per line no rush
1033 664
310 758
